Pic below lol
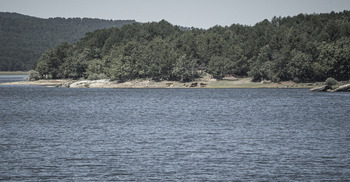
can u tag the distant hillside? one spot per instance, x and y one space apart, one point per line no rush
23 39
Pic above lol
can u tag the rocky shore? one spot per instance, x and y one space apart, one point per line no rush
343 88
326 88
205 82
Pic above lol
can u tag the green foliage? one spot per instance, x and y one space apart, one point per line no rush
75 64
331 81
185 69
95 67
218 67
300 66
301 48
33 75
95 76
23 39
335 59
50 63
122 68
263 66
45 64
317 69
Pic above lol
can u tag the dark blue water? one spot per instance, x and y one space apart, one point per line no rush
12 78
173 134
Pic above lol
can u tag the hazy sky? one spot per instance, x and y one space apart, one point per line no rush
196 13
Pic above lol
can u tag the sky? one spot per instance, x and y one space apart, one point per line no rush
189 13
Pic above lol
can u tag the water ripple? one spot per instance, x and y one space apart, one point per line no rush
182 135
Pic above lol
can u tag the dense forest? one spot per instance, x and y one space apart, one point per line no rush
23 39
300 48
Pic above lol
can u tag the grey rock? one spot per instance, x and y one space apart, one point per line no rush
343 88
320 89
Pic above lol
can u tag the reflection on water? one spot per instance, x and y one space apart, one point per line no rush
173 134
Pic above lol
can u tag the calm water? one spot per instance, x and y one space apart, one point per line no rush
173 134
12 78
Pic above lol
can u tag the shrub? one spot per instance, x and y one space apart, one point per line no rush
33 75
296 79
276 79
95 76
330 82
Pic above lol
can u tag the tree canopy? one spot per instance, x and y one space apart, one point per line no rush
300 48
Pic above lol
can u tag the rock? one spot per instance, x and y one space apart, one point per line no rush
65 85
80 84
90 83
169 84
266 81
343 88
194 85
320 89
203 84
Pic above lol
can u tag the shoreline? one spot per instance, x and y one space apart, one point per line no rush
208 83
11 73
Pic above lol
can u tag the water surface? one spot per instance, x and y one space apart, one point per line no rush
173 134
12 78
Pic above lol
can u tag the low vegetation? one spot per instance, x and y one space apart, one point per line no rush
33 75
330 82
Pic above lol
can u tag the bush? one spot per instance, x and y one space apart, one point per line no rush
276 79
296 80
95 76
331 81
33 75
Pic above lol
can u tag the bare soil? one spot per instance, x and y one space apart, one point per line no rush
204 82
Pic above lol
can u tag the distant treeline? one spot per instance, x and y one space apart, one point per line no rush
300 48
23 39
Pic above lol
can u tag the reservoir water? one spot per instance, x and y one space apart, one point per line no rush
62 134
12 78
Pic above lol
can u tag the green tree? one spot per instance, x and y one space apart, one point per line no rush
122 69
33 75
300 48
219 67
95 69
47 65
300 66
23 39
262 66
186 69
335 59
318 71
330 82
75 64
161 59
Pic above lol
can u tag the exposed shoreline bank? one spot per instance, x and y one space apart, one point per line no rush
228 82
